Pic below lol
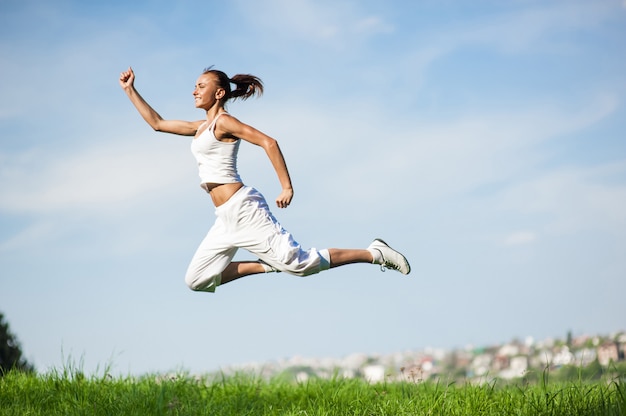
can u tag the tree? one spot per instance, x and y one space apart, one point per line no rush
10 351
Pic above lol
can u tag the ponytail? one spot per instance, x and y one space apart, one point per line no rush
246 85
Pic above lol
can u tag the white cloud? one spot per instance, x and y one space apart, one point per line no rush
96 178
572 199
520 237
534 29
332 24
373 25
457 155
530 30
24 238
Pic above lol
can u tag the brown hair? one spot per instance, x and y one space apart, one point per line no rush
246 85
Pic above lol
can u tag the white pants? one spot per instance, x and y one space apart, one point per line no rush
245 221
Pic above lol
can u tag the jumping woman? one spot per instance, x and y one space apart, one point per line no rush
243 218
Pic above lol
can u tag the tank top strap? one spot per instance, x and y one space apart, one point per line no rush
212 125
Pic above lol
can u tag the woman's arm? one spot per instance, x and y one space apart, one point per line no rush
229 127
184 128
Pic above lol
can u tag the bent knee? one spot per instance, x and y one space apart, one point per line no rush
199 283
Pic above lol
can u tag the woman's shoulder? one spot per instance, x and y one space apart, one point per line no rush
226 121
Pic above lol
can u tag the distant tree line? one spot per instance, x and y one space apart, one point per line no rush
10 351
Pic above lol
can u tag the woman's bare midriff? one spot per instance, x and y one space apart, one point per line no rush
221 192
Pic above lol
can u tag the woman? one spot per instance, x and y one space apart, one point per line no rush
243 218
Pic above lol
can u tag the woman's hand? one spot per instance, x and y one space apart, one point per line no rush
284 199
127 78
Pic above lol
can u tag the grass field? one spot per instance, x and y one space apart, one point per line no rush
71 393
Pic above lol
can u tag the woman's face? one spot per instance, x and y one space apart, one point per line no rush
207 92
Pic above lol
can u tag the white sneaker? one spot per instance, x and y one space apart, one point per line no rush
388 257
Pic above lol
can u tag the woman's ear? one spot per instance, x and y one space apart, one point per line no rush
220 93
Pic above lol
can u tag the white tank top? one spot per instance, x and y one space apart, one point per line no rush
217 160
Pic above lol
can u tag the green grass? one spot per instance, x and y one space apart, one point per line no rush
71 393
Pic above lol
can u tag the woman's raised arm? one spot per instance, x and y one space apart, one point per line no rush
183 128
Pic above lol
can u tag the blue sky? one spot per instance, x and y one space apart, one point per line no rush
485 139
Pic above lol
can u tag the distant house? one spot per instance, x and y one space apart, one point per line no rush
542 358
585 356
563 357
480 365
518 367
374 373
508 350
607 353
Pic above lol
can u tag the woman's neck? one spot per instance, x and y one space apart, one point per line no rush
213 112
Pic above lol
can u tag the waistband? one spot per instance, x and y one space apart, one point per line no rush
241 194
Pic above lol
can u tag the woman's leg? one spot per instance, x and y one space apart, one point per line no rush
378 252
343 256
238 269
338 257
